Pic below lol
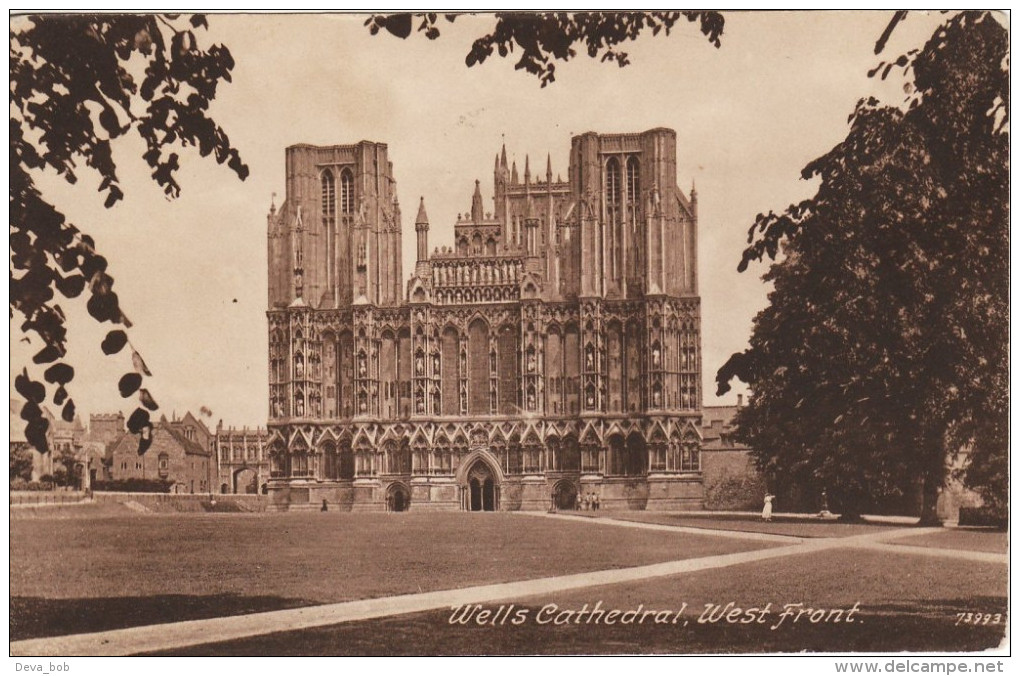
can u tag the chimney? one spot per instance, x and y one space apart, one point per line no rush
740 401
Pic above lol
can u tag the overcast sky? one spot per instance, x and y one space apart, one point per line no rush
191 273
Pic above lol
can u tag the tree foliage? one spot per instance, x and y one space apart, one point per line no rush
21 462
884 348
78 83
541 38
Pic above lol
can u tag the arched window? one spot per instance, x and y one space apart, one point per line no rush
633 180
328 194
613 181
613 216
346 192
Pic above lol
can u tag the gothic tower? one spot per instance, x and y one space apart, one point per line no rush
336 238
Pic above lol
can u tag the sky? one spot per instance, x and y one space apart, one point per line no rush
191 272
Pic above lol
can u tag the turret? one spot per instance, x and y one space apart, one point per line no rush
421 228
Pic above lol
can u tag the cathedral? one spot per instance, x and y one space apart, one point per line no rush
552 351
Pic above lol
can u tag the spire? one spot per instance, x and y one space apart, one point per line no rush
527 170
502 157
513 173
476 203
548 168
423 218
694 192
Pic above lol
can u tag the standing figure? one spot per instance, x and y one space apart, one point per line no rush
766 512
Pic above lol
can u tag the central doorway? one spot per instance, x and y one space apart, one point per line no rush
481 488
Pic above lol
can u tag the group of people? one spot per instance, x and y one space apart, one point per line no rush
589 502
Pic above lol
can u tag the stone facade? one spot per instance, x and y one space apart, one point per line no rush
555 347
732 481
171 457
242 459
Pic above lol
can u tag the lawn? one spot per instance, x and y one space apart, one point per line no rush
72 575
804 527
976 540
906 603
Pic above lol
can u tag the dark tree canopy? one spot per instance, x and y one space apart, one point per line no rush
78 83
884 348
544 37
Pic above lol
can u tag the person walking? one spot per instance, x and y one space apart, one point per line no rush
766 512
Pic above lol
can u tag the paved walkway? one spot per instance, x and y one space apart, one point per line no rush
162 637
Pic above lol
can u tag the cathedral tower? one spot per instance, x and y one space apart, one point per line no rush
339 226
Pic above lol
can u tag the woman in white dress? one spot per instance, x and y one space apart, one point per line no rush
766 512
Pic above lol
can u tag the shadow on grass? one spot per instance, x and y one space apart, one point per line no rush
34 617
916 627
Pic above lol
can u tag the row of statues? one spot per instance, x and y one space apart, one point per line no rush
464 274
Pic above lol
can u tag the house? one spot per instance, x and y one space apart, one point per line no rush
171 457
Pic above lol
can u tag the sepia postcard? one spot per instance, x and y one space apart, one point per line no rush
507 334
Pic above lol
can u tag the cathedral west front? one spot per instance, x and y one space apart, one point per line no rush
552 349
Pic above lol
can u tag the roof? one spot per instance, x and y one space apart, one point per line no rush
189 447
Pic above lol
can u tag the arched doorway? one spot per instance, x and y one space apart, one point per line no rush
565 495
398 499
246 481
481 488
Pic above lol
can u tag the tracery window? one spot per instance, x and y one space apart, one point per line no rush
633 180
346 192
328 194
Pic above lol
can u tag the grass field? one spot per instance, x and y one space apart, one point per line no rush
76 575
805 527
975 540
907 603
96 572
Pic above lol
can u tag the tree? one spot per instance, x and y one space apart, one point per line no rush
21 462
884 348
78 83
542 38
67 471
